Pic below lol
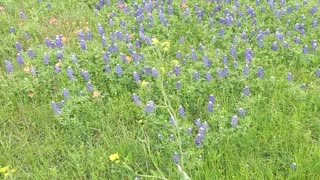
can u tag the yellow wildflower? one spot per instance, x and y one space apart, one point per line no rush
114 157
4 169
6 174
165 49
175 62
155 41
96 93
162 69
144 84
166 44
141 121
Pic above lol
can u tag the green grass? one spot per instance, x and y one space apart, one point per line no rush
281 126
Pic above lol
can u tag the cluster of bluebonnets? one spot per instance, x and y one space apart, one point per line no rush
220 15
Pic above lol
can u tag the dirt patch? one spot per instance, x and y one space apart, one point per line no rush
2 9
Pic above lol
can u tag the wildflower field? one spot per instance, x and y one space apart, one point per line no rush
159 89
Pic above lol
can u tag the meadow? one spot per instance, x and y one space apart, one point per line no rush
164 89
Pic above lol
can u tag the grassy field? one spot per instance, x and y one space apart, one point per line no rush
159 89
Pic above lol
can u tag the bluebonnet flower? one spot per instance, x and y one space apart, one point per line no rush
31 53
59 55
181 39
210 106
55 108
285 44
176 158
206 61
318 72
136 76
314 45
219 73
246 91
33 70
315 23
81 35
246 69
135 99
106 57
208 76
65 93
171 137
225 60
198 139
58 42
235 64
241 112
181 111
89 86
196 75
260 72
274 46
189 130
149 107
100 29
303 86
154 72
119 70
178 54
171 120
103 41
85 74
83 45
160 136
305 49
198 123
248 55
234 121
193 54
148 70
107 69
9 66
18 46
289 77
46 58
225 71
296 39
12 29
221 32
211 98
22 15
20 59
293 166
176 70
48 42
178 85
74 58
89 35
70 73
48 5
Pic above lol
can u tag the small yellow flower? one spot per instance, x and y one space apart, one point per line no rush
96 93
140 121
166 44
162 69
4 169
144 84
166 49
26 69
175 62
114 157
155 41
6 174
